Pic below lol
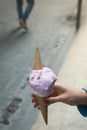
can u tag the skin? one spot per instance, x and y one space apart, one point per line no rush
67 95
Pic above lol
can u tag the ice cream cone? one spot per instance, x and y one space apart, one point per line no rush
37 66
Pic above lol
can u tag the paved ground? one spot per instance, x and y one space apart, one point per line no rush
52 28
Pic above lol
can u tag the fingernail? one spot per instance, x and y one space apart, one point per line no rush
46 102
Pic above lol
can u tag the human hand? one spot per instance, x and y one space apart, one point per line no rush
35 101
68 95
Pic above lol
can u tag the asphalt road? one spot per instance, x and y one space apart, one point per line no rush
51 27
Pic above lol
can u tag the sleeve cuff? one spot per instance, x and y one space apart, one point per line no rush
83 110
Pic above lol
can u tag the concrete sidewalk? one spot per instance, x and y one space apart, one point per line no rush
73 73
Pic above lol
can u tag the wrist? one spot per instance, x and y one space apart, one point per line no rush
85 89
84 96
83 107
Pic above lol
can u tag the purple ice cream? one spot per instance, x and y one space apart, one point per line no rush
42 81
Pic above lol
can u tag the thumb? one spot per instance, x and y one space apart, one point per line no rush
51 100
60 98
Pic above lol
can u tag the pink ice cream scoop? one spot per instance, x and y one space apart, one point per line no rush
42 81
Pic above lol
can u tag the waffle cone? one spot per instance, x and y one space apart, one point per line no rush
37 66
